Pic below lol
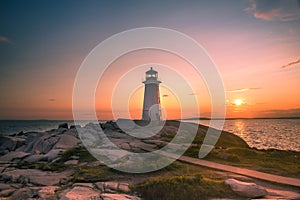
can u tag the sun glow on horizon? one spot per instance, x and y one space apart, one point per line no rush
238 102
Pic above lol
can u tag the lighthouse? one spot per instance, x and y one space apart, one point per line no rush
151 106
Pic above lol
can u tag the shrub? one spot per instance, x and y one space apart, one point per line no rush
183 187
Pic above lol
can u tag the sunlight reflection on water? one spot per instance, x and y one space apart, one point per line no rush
283 134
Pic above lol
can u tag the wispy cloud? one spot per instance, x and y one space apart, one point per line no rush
243 89
165 95
4 39
275 10
51 99
291 63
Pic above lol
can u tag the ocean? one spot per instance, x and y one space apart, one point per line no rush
282 134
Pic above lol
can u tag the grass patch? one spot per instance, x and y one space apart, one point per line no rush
285 163
232 150
183 187
80 152
92 174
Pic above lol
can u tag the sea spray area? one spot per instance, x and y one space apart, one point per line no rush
55 165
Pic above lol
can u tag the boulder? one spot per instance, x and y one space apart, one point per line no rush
36 158
82 193
72 132
124 187
41 143
14 155
8 143
250 190
63 125
48 178
113 186
108 196
24 193
34 176
67 141
7 192
48 192
89 185
4 186
75 126
53 154
71 162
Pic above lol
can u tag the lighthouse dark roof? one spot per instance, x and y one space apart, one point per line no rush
151 71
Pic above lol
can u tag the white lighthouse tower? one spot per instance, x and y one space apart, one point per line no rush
151 107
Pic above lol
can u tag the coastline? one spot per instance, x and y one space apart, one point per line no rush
259 133
59 155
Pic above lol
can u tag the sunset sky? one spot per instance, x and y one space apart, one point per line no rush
255 44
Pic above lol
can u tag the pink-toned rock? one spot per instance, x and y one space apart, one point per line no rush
108 196
36 177
66 142
81 193
71 162
13 156
48 192
250 190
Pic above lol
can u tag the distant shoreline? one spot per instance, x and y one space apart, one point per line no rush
236 118
192 118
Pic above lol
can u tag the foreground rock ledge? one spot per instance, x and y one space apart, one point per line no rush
245 189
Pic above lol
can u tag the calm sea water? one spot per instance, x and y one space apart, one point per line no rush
283 134
8 127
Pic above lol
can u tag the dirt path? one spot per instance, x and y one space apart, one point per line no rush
237 170
242 171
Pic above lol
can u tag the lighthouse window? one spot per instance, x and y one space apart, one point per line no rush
151 75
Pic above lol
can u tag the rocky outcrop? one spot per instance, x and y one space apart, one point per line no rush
40 151
41 143
14 156
43 148
34 176
80 192
25 193
250 190
109 196
67 141
48 192
63 125
9 143
113 186
100 190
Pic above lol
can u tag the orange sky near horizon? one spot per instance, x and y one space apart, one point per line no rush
255 50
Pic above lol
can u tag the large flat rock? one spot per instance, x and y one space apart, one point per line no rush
250 190
9 143
108 196
67 141
81 193
13 156
34 176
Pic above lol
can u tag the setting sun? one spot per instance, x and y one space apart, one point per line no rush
238 102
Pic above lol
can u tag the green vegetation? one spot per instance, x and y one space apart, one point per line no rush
232 150
183 187
182 180
80 152
92 174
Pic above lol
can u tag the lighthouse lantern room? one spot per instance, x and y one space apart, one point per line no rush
151 106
